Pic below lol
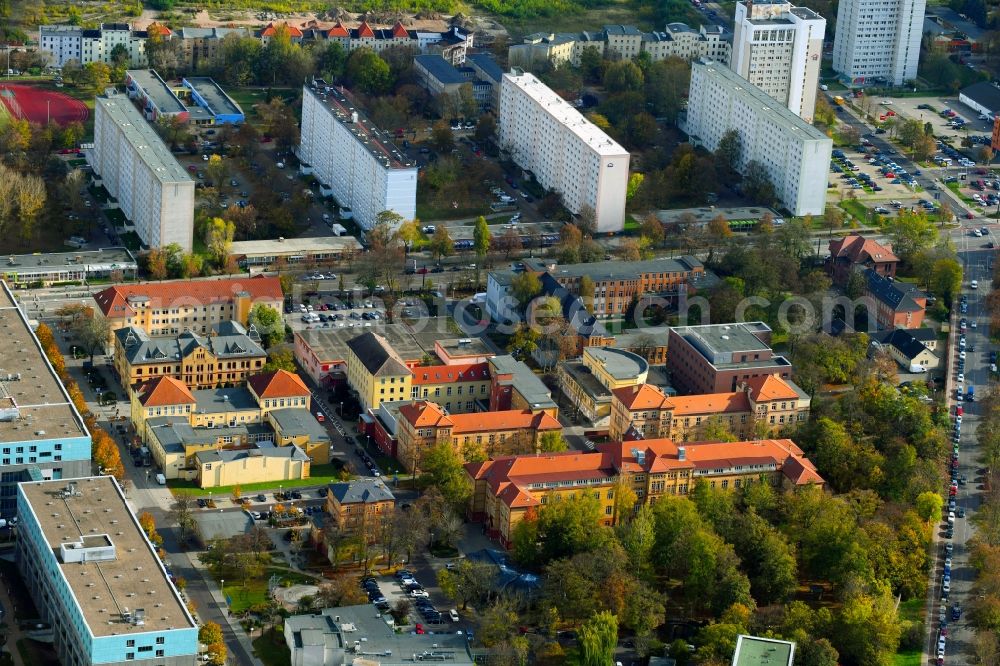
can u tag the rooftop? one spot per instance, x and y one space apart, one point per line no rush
757 99
218 33
377 355
277 247
487 64
446 374
151 85
715 339
114 301
133 578
422 414
564 113
278 384
222 400
617 270
900 296
440 69
229 341
298 421
858 249
219 103
460 347
175 433
331 344
620 364
232 455
34 404
164 390
526 382
753 651
904 341
377 142
361 491
103 259
984 93
143 139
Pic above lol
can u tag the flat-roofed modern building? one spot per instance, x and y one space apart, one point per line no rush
754 651
209 95
878 41
263 253
42 436
778 47
354 159
26 270
795 154
716 358
567 153
136 167
96 578
156 97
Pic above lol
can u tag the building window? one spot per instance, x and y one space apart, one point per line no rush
129 643
607 510
130 656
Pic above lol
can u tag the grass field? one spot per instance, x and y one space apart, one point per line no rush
320 476
270 648
855 208
619 13
255 591
248 97
4 116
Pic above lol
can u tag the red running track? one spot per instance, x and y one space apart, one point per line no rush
37 105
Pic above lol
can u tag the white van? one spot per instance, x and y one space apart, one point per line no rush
160 479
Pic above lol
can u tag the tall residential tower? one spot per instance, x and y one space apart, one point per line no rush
878 40
779 49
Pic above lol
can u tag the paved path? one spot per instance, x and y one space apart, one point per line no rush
12 632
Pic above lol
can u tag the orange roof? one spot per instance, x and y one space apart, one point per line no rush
158 29
509 477
711 403
859 249
446 374
424 414
338 31
642 396
399 31
114 301
365 30
164 391
771 387
278 384
271 30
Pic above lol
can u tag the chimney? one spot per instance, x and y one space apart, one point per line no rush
681 453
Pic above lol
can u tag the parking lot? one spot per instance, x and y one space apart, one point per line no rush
428 607
928 109
870 177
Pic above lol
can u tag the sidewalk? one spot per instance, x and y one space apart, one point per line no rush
12 631
220 601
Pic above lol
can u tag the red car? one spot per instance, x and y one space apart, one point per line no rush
419 628
969 215
192 168
958 410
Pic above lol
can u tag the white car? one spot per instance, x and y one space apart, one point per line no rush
453 614
419 594
973 324
961 377
974 284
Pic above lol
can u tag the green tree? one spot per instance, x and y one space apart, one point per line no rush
524 287
481 237
715 429
331 60
757 183
910 232
523 342
279 359
368 72
97 76
442 138
868 629
566 525
729 150
598 638
946 279
219 238
441 244
267 322
623 76
552 442
816 652
586 292
442 467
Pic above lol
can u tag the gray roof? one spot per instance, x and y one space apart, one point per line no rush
724 338
297 421
440 69
174 433
219 33
616 270
924 333
377 355
231 342
897 295
984 93
486 64
107 258
622 30
232 455
524 380
361 491
213 94
143 139
156 89
907 345
221 400
573 309
619 363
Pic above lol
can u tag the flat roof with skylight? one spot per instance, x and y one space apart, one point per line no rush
143 139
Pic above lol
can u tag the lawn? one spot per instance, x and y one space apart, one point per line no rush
270 648
428 212
242 597
908 658
912 610
855 208
320 475
248 97
631 225
620 12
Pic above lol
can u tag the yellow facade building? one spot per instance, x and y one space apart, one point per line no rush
376 372
759 408
508 490
231 467
360 506
589 382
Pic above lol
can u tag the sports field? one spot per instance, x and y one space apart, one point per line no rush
40 106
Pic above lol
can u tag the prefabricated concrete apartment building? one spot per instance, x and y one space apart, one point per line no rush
354 159
567 153
152 189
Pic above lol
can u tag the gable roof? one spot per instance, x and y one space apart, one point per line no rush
443 374
278 384
361 491
860 250
759 389
900 296
771 387
114 302
508 477
164 391
338 30
907 345
399 31
377 355
424 414
985 94
365 30
574 311
272 29
230 342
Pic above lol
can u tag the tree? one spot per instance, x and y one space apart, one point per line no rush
156 264
867 628
623 76
341 591
729 150
481 238
523 342
715 429
441 244
219 237
267 322
210 633
368 72
468 582
485 128
97 76
586 291
442 138
182 516
93 333
598 638
279 359
524 287
443 468
331 60
928 506
946 279
217 654
910 232
757 185
552 442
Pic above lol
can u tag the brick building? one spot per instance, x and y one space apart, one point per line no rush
716 358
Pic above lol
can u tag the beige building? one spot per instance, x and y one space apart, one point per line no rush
360 505
759 408
376 372
171 308
227 467
589 382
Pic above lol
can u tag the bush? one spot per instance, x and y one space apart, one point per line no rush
912 637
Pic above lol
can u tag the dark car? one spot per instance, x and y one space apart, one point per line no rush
261 498
202 503
296 494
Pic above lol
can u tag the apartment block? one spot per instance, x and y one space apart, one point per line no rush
96 578
759 407
795 154
376 372
779 48
567 153
716 358
199 47
153 191
424 424
42 436
356 161
171 308
452 44
225 357
878 41
506 489
440 77
157 99
63 43
623 42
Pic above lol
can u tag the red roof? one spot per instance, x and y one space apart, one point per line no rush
859 250
365 30
271 30
761 389
278 384
114 301
158 29
164 391
338 31
446 374
399 31
509 477
424 414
